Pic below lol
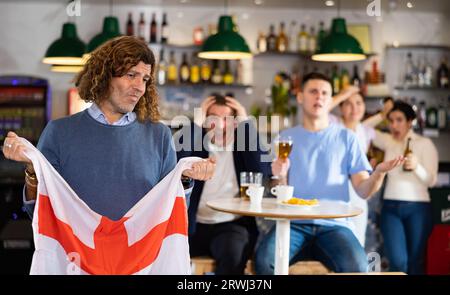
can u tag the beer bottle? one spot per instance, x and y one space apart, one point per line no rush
153 29
407 153
130 25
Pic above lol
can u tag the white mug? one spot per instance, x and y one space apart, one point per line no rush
283 192
255 193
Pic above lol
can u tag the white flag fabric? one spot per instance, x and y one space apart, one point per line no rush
70 238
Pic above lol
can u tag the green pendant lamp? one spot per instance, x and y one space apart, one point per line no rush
226 44
338 45
110 30
67 50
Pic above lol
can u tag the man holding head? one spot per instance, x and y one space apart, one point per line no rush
223 131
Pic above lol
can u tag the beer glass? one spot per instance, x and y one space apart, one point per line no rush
283 147
249 179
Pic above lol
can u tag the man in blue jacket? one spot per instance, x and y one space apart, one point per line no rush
233 141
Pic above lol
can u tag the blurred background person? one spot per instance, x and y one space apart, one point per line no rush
406 220
352 110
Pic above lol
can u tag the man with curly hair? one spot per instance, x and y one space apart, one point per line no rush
116 151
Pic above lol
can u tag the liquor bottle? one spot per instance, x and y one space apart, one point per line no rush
261 44
356 80
407 153
295 81
442 116
162 69
428 76
302 40
164 30
184 69
130 25
197 36
345 79
216 77
421 72
240 73
336 81
228 77
292 37
421 116
375 73
448 112
432 118
410 76
172 70
321 34
312 41
443 75
153 29
282 40
205 71
271 39
141 27
415 123
195 70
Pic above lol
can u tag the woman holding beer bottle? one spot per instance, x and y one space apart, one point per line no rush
406 214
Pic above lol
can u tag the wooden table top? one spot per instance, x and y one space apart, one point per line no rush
271 209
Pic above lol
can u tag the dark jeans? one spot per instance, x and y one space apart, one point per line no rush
406 227
230 243
335 246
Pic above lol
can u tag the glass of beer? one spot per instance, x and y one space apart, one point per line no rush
283 147
249 179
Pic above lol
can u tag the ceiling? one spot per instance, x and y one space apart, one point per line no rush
442 6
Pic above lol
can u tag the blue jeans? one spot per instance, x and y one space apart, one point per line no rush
406 227
335 246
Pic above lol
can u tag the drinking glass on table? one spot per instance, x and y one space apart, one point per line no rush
249 179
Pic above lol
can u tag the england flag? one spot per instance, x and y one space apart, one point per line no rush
70 238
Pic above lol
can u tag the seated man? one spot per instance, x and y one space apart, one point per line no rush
228 238
324 159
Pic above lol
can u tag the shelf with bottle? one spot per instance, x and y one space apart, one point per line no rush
205 85
199 72
183 47
419 47
424 69
433 118
423 88
157 32
295 42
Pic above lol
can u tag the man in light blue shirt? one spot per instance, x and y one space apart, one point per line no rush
323 160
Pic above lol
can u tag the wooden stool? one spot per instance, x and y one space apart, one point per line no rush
308 268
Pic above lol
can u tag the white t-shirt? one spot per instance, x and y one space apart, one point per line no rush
223 185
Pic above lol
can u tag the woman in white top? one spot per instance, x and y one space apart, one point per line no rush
406 214
353 108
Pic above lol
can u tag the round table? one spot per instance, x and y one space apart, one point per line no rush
282 214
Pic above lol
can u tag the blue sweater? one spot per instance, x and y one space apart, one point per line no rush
109 167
